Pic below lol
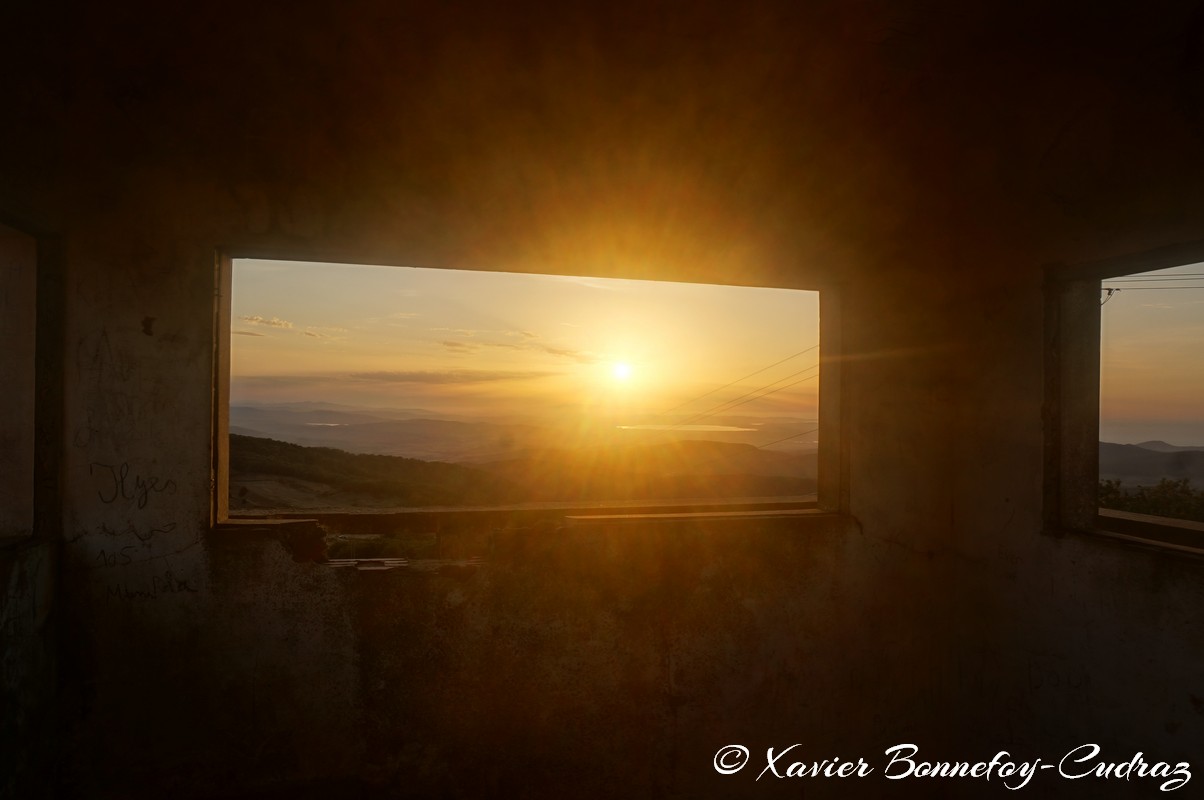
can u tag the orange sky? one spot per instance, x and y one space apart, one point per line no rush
508 345
504 345
1152 358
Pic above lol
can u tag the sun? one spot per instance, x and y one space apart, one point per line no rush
621 371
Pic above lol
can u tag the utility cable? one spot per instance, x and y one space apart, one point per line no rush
738 380
748 397
788 438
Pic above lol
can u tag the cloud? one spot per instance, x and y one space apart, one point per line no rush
324 332
395 320
247 333
529 343
279 380
446 376
580 356
479 331
274 322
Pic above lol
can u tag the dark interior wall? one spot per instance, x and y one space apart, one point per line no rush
930 159
28 641
28 668
688 138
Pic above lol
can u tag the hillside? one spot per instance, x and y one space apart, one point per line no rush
1143 465
269 474
1154 478
369 431
1164 447
668 470
265 473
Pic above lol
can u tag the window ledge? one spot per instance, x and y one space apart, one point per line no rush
743 514
321 538
366 520
1180 535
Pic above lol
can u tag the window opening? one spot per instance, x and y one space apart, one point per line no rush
1151 424
355 387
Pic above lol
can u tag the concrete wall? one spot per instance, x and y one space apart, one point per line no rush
28 640
930 162
18 322
28 670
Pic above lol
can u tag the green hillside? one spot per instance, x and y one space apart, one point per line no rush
357 479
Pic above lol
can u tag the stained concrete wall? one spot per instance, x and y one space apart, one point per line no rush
931 161
18 320
28 669
28 641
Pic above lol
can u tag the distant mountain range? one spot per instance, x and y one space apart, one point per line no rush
539 459
315 456
1163 447
433 436
1147 463
411 433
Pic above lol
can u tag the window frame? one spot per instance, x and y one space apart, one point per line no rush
1072 400
832 467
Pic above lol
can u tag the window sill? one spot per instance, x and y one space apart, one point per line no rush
1164 533
525 514
417 540
810 512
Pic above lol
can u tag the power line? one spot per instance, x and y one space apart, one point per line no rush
788 438
739 380
735 401
1181 276
775 391
748 397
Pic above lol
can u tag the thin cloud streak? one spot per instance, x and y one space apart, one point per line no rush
447 377
580 356
274 322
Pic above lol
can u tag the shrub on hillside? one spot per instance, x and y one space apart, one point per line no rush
1168 498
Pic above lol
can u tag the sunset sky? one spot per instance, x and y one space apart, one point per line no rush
505 345
1152 358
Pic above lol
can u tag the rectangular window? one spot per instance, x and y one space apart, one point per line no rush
1151 457
357 388
1124 378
